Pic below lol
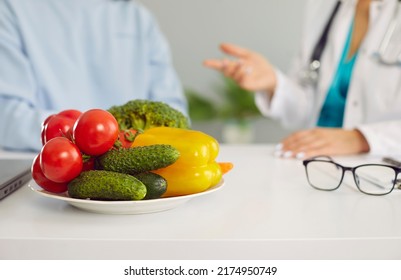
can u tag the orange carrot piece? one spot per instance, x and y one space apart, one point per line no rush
226 166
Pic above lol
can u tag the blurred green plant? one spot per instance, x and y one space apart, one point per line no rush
238 103
235 103
199 107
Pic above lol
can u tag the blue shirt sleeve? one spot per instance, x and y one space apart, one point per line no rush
20 121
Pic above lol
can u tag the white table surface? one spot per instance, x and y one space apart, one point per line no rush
266 210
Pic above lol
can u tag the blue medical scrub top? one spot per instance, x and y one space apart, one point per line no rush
332 113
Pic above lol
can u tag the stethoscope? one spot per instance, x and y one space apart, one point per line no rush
389 52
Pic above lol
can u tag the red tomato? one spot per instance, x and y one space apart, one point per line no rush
59 125
55 127
126 138
42 181
43 132
71 113
47 120
60 160
88 164
95 132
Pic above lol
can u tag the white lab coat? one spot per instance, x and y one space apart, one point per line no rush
374 97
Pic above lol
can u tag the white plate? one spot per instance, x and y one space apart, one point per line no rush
124 207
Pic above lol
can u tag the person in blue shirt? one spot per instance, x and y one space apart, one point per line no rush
77 54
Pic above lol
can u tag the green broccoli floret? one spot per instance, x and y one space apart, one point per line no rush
143 114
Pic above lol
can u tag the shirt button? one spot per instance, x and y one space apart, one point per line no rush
355 103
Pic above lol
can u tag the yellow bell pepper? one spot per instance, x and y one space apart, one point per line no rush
196 169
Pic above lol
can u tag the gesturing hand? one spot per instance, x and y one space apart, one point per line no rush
323 141
250 69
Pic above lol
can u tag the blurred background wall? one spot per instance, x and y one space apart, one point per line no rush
195 28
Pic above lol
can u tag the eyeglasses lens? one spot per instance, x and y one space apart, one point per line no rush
324 175
375 179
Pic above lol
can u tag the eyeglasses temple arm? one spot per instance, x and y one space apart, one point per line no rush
372 181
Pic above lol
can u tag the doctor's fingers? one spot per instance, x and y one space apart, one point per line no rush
325 141
314 151
328 147
243 71
297 138
301 144
226 66
216 64
239 71
236 51
232 68
305 150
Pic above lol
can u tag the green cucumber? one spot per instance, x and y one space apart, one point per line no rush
155 184
106 185
138 159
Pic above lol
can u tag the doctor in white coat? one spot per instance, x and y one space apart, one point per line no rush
344 89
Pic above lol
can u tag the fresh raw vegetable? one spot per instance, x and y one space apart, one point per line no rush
59 125
184 179
60 160
106 185
125 138
138 159
143 114
71 113
42 181
88 163
155 184
140 150
196 170
226 166
95 132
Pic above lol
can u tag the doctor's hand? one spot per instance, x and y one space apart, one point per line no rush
249 69
322 141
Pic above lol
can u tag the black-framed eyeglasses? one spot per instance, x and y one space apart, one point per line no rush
374 179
